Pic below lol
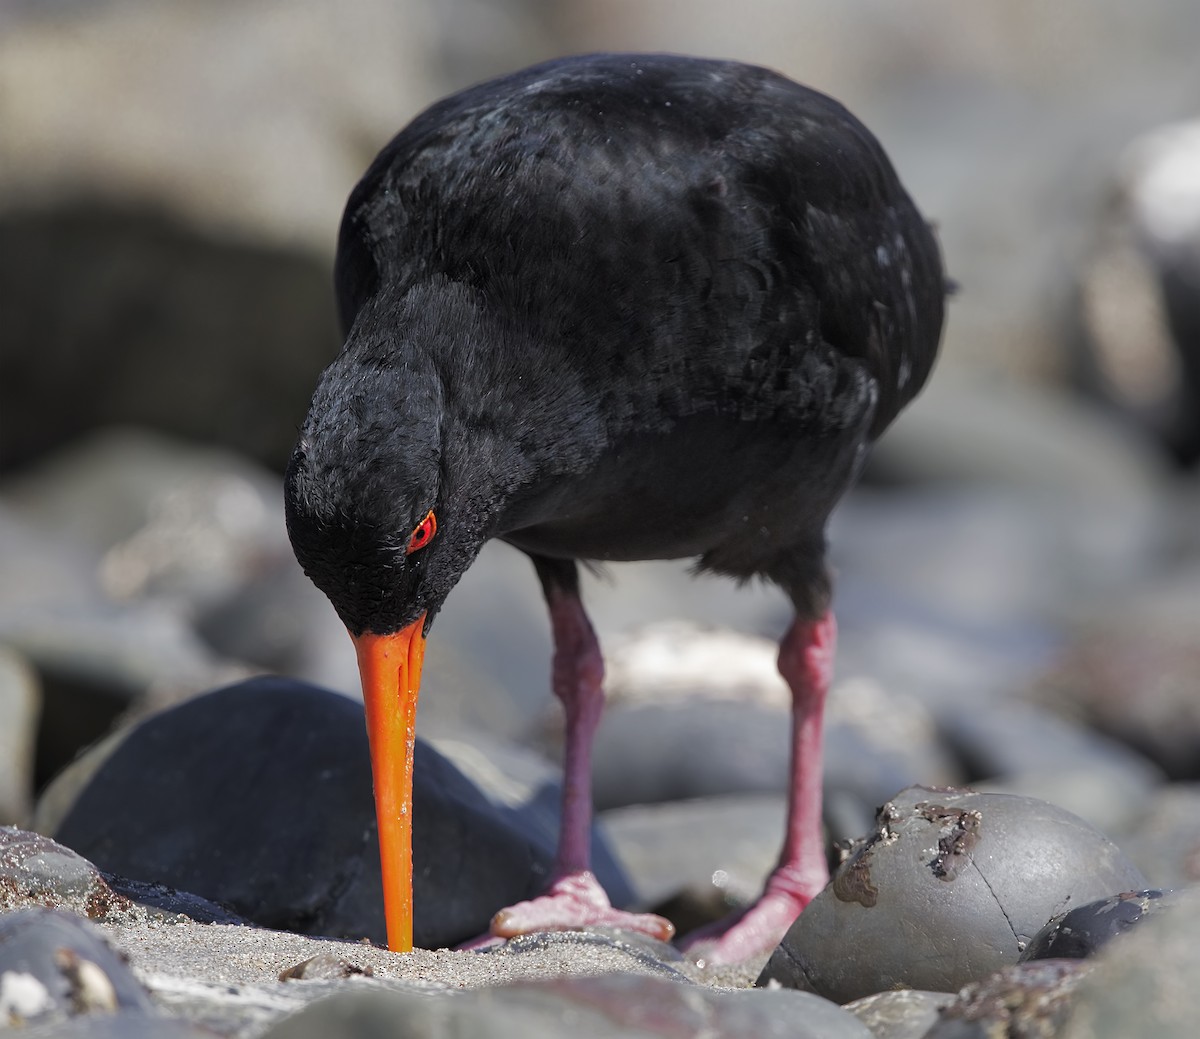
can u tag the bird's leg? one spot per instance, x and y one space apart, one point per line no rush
574 898
806 663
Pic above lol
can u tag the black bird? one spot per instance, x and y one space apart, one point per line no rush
620 306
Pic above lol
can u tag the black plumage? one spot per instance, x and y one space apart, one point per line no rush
610 307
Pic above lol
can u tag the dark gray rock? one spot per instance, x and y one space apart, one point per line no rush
602 1007
261 799
53 966
900 1014
1030 1000
950 887
1079 933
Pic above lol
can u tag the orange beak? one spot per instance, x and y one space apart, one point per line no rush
390 667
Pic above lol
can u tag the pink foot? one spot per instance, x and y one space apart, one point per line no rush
756 931
571 903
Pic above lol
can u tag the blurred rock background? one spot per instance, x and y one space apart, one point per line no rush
1019 577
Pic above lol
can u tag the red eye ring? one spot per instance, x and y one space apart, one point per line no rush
422 534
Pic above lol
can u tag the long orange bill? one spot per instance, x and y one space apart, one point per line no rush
390 668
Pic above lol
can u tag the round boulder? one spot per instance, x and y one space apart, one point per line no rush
951 886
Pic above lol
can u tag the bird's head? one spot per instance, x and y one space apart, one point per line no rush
371 516
367 535
377 528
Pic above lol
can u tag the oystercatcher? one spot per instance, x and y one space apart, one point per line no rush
611 307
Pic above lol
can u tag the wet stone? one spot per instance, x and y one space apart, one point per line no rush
951 886
1085 929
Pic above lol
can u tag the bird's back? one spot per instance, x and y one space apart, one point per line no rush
683 295
680 233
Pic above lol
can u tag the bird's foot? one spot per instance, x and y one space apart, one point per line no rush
757 929
573 902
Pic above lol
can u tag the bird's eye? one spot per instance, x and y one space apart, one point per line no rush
422 534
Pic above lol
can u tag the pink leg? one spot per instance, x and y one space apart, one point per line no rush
806 662
574 898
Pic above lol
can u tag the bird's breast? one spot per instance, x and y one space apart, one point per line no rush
710 484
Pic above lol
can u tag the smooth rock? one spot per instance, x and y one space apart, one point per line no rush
900 1014
950 887
1031 1000
261 800
1082 931
54 966
20 708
